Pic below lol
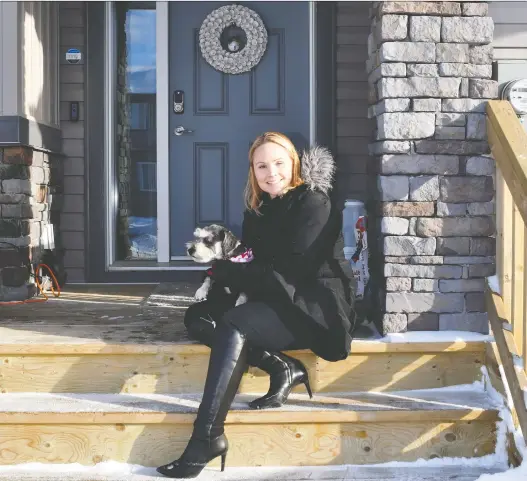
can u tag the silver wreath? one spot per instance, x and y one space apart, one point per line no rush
233 62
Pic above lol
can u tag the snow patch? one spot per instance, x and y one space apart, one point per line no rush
494 284
435 336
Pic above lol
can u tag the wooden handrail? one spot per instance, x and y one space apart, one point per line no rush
508 309
508 142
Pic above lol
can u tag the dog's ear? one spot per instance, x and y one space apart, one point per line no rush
222 235
229 241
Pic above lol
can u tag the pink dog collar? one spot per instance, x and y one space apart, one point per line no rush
246 256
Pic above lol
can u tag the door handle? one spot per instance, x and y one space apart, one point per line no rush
180 130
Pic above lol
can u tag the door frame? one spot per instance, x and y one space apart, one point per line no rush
101 205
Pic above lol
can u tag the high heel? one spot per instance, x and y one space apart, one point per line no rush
198 453
208 441
285 373
308 388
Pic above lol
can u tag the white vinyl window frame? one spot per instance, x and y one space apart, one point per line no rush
162 133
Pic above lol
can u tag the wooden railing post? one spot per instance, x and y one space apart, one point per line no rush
508 309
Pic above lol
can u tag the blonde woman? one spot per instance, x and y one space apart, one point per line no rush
300 289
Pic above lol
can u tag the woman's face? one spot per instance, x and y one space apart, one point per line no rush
273 168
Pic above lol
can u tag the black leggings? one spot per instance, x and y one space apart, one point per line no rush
261 325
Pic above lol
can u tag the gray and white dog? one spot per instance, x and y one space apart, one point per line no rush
216 242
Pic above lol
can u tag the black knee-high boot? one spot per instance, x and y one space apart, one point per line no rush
226 366
284 371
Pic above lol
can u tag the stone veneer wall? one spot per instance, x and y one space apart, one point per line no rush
30 183
429 71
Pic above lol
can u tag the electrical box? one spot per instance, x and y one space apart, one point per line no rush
515 92
512 84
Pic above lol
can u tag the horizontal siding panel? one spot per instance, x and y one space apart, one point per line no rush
357 109
72 92
75 275
350 145
353 186
352 90
74 184
351 73
73 204
508 12
74 258
352 54
73 240
74 166
73 147
73 130
355 127
65 111
349 19
513 35
353 35
72 74
71 222
353 164
72 17
71 36
510 53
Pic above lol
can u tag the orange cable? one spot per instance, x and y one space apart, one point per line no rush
55 288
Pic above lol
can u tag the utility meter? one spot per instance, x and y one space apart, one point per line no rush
515 92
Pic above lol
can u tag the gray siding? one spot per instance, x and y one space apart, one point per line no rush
72 35
510 30
354 129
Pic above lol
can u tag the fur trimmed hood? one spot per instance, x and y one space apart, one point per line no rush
318 168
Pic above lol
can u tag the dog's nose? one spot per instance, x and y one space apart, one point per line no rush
191 250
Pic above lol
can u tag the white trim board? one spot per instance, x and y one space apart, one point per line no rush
162 122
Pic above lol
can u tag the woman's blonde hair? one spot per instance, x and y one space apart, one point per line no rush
253 193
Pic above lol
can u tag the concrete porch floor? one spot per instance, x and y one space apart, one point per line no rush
113 314
98 313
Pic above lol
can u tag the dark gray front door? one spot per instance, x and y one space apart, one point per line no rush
208 168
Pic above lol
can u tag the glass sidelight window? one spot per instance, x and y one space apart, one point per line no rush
135 131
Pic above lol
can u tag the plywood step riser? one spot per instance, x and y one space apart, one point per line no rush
250 445
170 372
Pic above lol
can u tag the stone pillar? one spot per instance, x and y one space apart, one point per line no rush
430 73
29 217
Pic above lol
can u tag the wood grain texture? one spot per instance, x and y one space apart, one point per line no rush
170 371
516 377
250 445
508 142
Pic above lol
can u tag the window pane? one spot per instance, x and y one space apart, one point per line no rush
136 131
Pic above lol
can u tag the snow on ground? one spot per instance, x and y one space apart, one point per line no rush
498 460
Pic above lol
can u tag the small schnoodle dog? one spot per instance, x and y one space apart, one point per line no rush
216 242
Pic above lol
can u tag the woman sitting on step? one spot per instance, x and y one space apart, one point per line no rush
300 290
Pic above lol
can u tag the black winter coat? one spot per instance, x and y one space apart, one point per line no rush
299 268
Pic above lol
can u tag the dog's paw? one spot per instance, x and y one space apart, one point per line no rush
242 299
201 294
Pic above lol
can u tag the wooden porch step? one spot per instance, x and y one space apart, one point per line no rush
333 473
152 429
71 363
